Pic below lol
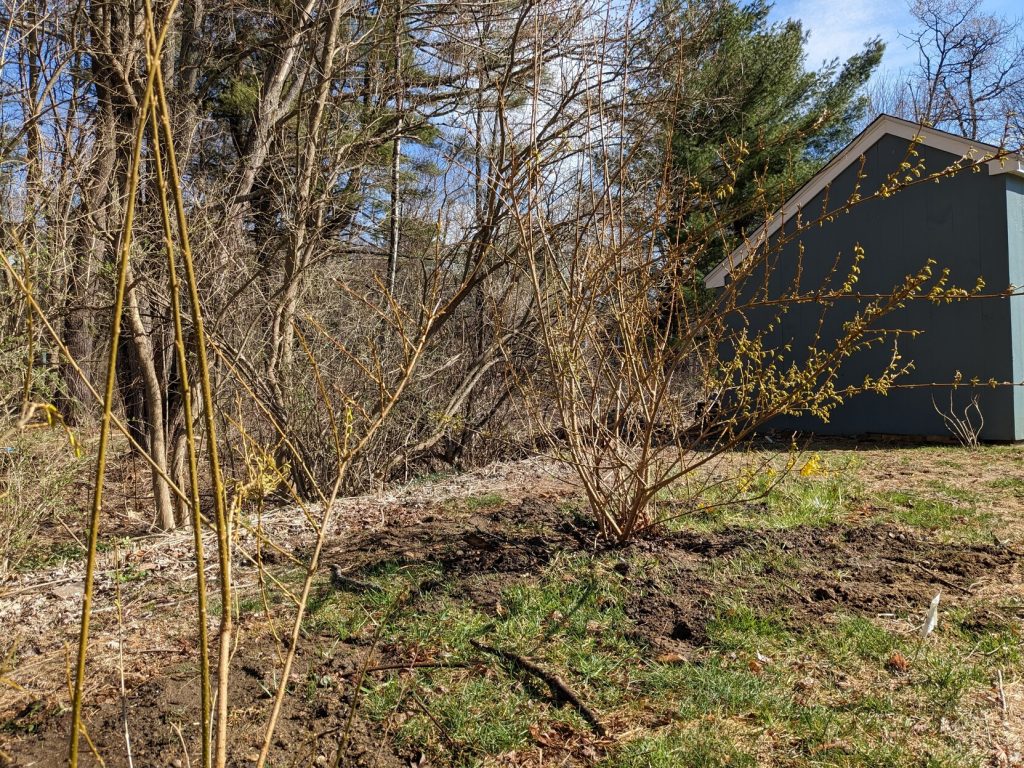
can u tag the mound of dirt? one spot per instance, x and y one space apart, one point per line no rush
806 572
475 551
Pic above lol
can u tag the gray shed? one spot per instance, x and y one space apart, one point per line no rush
970 222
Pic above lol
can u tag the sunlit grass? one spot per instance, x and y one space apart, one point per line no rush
763 686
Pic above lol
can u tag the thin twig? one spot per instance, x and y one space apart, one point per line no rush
1002 693
559 688
181 740
945 582
120 661
452 743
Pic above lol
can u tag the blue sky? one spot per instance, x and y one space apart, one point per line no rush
840 27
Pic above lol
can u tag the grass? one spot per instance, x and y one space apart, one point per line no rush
481 502
811 492
825 697
1015 485
38 488
572 623
50 555
702 746
472 504
953 515
763 688
782 491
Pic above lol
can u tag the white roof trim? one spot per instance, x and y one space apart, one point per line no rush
883 125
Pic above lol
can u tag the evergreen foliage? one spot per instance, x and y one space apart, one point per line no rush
752 122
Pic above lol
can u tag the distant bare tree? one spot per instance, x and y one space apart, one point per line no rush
969 75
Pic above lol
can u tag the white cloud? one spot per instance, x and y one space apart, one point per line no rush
840 29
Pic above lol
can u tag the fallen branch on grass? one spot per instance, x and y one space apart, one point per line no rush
559 689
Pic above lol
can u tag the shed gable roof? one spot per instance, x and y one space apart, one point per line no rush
883 125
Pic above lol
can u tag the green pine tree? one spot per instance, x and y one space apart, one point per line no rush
751 123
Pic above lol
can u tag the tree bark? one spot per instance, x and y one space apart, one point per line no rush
153 401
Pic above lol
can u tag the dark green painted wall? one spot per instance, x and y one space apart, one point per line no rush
961 223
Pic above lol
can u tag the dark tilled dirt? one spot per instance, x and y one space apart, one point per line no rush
801 575
477 552
806 573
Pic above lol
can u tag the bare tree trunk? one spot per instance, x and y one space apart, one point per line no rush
298 253
396 159
153 401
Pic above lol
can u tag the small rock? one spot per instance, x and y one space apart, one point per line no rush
176 763
806 684
67 591
320 760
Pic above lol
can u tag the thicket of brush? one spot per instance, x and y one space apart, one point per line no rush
330 244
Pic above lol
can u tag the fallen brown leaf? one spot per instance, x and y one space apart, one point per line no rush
898 662
671 658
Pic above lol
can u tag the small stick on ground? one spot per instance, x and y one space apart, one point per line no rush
945 582
120 657
181 740
452 743
1002 693
340 581
559 689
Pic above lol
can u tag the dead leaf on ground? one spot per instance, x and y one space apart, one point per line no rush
671 658
898 662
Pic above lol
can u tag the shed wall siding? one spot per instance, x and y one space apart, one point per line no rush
961 223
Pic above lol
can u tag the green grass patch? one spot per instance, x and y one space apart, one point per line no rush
484 501
783 493
479 503
1015 485
850 640
737 627
346 614
763 687
948 517
707 745
50 556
